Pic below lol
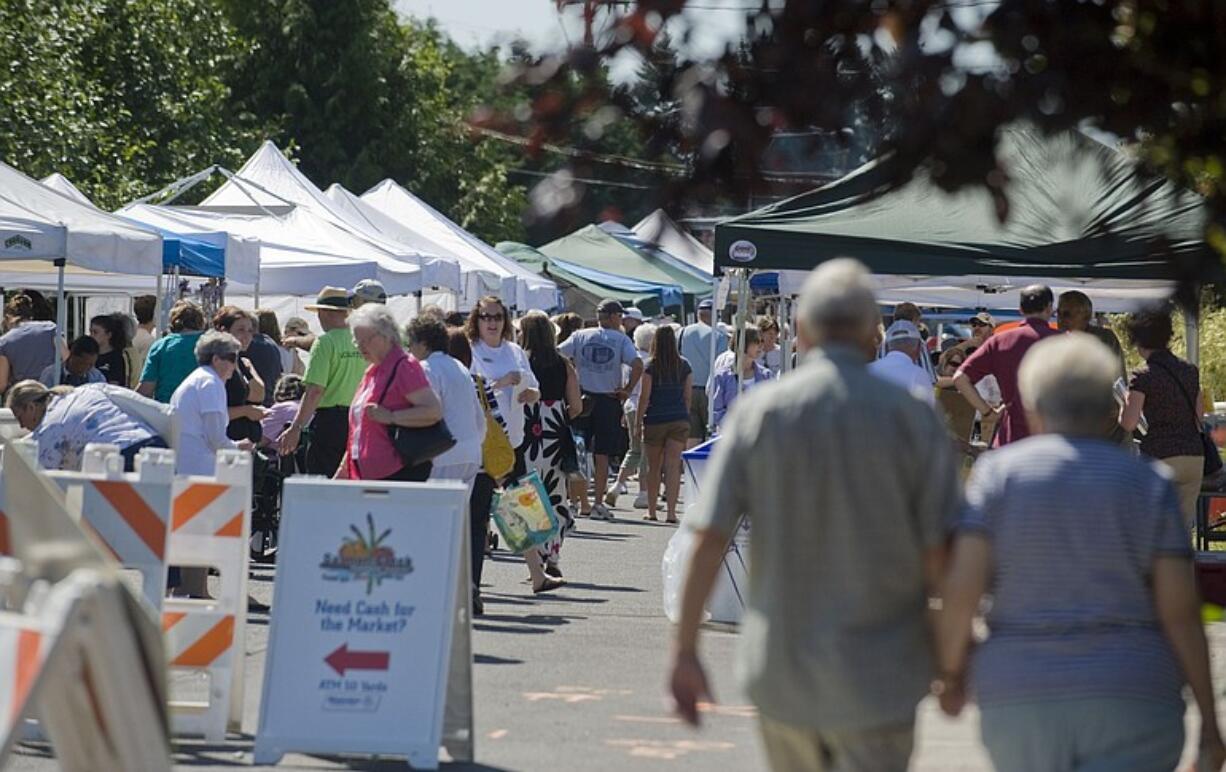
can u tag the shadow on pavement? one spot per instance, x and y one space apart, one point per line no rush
550 620
601 587
490 659
516 630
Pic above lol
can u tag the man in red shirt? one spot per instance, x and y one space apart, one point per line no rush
1001 356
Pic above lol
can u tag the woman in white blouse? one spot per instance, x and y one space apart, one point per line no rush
504 365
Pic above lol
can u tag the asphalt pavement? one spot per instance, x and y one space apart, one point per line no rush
575 680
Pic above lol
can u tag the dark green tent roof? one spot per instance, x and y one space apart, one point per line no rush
1076 209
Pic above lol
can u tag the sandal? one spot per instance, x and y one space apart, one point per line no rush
651 518
550 585
672 521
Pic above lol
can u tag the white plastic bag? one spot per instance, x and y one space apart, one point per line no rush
728 595
675 565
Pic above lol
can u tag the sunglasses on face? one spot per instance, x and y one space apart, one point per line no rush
227 357
490 317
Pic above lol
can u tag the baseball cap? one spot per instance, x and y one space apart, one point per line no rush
610 306
705 304
983 317
369 291
902 330
634 313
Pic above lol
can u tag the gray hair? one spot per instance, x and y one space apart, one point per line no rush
838 296
643 335
906 345
1067 381
215 343
376 318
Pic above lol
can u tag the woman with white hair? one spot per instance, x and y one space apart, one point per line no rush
200 402
63 420
1094 627
393 392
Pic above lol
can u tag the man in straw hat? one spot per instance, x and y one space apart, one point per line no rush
331 380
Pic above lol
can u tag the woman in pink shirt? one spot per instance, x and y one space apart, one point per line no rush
394 390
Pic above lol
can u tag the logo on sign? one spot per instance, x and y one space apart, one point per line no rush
743 251
364 558
17 241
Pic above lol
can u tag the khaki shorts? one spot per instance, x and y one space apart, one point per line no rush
698 414
658 434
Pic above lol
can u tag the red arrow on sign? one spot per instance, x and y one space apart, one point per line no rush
343 659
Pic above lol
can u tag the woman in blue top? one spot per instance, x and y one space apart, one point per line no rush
664 404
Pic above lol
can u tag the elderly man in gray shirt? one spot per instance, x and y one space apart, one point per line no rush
850 485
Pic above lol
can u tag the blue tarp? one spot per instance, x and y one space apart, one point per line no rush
198 254
669 294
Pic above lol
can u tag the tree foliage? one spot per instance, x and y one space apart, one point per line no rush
364 97
120 96
943 75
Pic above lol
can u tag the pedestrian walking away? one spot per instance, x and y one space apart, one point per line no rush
599 354
834 647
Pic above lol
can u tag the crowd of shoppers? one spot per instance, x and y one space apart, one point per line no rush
1069 542
1072 546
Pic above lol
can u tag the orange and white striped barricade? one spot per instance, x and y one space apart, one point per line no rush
211 528
128 514
81 657
23 643
100 688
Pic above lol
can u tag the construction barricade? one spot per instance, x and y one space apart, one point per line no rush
211 528
128 514
77 648
150 520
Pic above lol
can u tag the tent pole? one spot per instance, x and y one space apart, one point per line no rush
255 293
742 309
1191 331
61 305
785 342
715 311
159 305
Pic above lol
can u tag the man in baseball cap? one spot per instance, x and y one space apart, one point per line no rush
331 379
900 365
368 291
631 319
602 356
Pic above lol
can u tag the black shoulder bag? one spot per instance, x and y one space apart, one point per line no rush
418 444
1213 461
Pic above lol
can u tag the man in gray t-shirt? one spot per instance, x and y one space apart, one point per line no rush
598 354
29 348
849 523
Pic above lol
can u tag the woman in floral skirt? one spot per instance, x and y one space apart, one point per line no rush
548 445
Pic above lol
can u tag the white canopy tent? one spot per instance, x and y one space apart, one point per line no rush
299 253
242 256
998 292
61 184
415 218
38 224
270 183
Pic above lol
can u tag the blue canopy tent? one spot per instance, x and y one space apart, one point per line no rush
193 254
668 294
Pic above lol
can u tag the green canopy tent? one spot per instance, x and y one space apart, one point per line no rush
595 249
1076 209
582 290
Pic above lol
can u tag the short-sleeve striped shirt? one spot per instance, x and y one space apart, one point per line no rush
1075 526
